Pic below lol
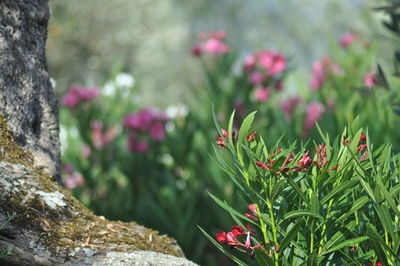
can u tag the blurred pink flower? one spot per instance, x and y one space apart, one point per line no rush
74 180
249 62
215 46
77 94
142 146
88 94
317 76
68 168
256 78
314 112
86 151
196 50
157 132
272 62
134 145
347 39
370 80
289 105
70 100
262 94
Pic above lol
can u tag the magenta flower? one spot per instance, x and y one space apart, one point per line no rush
289 105
70 100
347 39
256 78
262 94
88 94
76 94
157 132
142 146
314 113
370 80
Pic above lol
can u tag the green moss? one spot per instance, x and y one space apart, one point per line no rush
63 229
11 151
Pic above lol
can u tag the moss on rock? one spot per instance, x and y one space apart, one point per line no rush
60 222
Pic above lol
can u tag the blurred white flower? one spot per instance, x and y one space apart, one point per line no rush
109 88
124 80
177 110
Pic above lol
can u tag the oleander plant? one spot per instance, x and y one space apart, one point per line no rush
335 204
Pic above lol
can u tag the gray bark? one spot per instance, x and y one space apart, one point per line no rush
27 101
50 227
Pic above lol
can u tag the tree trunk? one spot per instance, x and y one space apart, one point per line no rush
50 227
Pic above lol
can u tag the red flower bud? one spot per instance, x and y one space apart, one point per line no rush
251 136
262 165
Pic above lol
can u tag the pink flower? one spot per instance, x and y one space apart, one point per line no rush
370 80
70 100
314 112
73 180
215 46
88 94
347 39
86 151
157 132
256 78
249 62
289 105
262 94
77 94
142 146
317 76
272 62
135 145
221 237
305 161
196 50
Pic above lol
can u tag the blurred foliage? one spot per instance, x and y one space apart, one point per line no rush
150 39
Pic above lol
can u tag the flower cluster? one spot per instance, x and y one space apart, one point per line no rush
321 70
212 43
77 94
265 68
71 178
347 39
147 122
232 239
99 137
314 112
300 166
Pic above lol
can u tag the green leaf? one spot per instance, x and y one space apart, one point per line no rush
230 209
232 257
263 258
290 235
301 213
338 190
347 243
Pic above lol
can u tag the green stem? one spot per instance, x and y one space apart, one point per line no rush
274 233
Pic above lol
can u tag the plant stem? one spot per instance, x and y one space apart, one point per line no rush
274 232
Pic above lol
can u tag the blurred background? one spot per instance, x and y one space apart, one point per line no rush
137 130
151 39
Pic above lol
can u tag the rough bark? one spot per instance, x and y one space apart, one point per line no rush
50 227
27 101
